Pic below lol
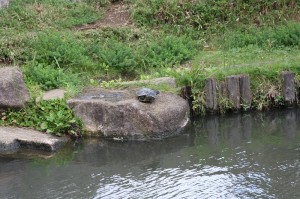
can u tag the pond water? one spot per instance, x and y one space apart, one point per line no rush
253 155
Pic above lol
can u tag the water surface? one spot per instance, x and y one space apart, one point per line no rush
238 156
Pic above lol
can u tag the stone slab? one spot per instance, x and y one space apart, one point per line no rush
13 138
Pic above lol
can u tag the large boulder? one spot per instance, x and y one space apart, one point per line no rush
13 91
118 114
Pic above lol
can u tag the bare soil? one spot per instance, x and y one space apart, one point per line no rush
116 16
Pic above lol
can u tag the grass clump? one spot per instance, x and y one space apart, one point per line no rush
48 77
62 50
167 52
36 15
203 15
284 35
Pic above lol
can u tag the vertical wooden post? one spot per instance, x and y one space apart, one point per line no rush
211 94
186 93
233 89
288 87
245 90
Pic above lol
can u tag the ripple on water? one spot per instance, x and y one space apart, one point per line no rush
208 182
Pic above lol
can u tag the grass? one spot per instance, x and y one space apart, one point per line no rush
188 40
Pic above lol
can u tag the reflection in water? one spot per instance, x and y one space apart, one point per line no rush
236 156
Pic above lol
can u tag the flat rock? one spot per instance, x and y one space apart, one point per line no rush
12 139
118 114
13 91
54 94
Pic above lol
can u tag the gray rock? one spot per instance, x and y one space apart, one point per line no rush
118 114
52 94
4 3
12 139
13 91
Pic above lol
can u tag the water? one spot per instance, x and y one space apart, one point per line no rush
238 156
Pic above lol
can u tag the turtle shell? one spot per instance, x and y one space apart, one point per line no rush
146 95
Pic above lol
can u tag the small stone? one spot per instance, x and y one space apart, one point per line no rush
4 3
13 91
54 94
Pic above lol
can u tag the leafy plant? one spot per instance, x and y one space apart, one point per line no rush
54 117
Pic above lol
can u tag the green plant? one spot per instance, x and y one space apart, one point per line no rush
167 52
49 77
32 14
115 55
204 15
62 50
54 117
283 35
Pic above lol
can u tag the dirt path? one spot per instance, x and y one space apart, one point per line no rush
116 16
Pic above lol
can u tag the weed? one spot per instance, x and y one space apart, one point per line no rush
62 50
49 77
284 35
52 116
167 52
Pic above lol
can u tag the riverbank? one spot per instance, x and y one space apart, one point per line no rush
74 45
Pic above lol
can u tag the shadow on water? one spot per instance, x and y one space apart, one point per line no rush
253 155
234 130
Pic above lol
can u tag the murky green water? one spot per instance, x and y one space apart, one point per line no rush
238 156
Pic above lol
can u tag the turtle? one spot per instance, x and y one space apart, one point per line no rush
146 95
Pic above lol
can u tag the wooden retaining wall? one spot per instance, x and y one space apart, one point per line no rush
237 89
